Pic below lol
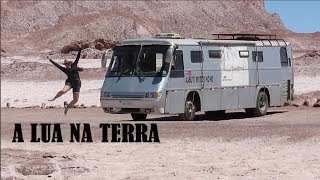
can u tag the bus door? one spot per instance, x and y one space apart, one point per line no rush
287 73
211 91
176 85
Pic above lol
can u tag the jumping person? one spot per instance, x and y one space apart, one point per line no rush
73 82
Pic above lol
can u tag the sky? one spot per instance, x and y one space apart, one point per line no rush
298 16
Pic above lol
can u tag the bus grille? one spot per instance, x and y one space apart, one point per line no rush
127 96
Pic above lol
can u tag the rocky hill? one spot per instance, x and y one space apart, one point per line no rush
29 27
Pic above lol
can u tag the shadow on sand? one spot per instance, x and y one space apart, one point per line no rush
203 117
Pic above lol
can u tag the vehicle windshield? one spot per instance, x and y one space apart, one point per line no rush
139 60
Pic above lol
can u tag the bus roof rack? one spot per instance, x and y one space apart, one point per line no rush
253 37
167 36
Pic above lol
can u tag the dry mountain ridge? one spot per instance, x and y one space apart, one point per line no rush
33 26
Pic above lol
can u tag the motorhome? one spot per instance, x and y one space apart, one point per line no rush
171 75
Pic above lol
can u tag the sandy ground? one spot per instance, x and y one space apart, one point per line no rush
282 145
18 94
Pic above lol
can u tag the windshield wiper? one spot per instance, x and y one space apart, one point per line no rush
136 71
120 74
139 74
126 71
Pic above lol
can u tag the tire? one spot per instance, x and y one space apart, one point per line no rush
262 105
213 114
138 117
189 111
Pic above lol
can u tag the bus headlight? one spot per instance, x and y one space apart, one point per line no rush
158 95
155 95
105 94
149 95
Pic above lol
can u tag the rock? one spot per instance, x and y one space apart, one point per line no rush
37 167
296 104
93 106
317 104
97 56
306 103
48 156
309 102
43 105
75 46
31 107
98 46
82 106
298 101
104 43
287 104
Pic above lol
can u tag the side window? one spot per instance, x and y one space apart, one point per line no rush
177 69
284 57
196 56
257 55
214 53
243 54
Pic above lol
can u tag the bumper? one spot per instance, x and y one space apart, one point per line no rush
121 106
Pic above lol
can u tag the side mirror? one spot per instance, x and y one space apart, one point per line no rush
159 62
106 57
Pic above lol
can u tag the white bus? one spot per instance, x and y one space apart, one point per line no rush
171 75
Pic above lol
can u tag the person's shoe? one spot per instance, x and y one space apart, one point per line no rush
66 110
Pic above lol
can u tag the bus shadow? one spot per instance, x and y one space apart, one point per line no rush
203 117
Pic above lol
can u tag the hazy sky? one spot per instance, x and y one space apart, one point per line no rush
298 16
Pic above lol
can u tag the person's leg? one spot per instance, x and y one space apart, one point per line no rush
65 89
73 102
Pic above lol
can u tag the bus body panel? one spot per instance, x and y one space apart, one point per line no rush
230 81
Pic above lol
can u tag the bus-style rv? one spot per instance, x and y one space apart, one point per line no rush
171 75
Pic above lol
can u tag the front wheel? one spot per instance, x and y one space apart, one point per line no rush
189 111
138 117
262 105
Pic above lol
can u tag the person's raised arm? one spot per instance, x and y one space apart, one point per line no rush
57 65
77 59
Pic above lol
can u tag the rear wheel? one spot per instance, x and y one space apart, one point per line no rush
262 105
189 111
138 117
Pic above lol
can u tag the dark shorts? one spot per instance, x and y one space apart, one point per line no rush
75 85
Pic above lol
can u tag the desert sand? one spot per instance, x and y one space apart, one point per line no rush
282 145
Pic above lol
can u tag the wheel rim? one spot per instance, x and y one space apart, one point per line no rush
189 109
262 103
